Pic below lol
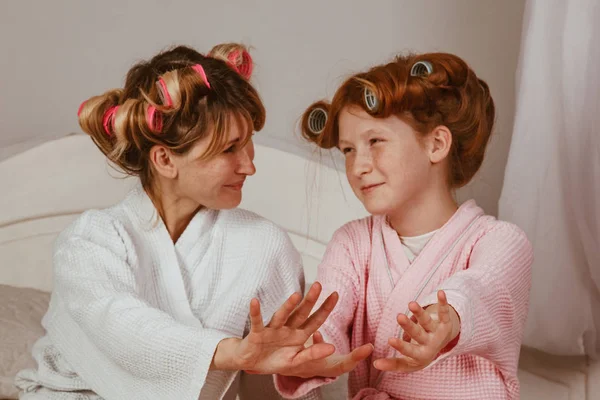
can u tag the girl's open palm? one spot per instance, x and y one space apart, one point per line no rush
424 336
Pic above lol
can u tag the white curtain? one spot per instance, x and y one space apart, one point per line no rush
552 182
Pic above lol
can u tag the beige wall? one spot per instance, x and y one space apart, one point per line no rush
57 53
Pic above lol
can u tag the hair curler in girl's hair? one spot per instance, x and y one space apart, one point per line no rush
425 91
317 119
421 68
371 100
315 122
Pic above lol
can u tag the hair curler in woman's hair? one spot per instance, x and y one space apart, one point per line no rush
236 56
170 101
81 107
244 65
198 68
171 98
164 92
107 121
154 119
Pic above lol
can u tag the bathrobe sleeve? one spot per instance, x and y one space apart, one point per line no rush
337 272
491 297
118 343
285 275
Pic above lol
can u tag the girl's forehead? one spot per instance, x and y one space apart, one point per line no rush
359 122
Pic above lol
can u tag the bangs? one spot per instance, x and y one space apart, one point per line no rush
221 124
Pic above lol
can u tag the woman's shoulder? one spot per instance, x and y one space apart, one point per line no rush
246 224
103 227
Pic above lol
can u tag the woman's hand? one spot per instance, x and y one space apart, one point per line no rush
279 346
331 366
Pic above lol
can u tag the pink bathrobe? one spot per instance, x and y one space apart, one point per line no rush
484 267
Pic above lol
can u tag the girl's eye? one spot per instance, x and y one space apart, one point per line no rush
373 141
346 150
230 149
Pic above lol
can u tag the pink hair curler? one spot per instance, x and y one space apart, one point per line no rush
108 117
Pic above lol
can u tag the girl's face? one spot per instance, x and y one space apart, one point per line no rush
388 165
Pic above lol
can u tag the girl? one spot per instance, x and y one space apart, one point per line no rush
151 296
440 290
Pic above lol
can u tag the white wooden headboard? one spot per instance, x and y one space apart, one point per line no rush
46 187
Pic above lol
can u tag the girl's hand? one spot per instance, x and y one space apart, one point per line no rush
433 329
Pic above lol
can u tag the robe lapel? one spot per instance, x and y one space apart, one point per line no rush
194 242
161 258
414 280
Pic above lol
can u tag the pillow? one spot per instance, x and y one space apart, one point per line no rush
21 312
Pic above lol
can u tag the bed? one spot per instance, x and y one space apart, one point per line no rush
46 187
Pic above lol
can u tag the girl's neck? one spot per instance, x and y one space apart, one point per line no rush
425 214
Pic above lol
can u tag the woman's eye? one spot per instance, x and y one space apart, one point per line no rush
230 149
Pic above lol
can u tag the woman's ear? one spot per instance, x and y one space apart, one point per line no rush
163 162
439 144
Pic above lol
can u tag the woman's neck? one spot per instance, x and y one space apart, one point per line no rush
425 214
176 212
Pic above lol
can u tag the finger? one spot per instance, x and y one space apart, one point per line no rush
403 364
443 308
256 323
281 316
441 295
361 353
314 352
405 336
318 338
441 336
415 331
301 313
315 321
423 317
407 349
350 361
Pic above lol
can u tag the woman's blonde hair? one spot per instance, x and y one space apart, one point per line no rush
174 100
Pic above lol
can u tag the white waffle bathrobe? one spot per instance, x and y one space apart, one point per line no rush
134 316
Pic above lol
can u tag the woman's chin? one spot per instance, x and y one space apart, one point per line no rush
228 202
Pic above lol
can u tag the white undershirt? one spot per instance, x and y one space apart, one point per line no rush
413 245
